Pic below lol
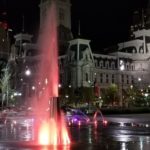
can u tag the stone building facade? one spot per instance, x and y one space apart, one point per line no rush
125 65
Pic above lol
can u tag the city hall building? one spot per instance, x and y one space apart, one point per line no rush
127 64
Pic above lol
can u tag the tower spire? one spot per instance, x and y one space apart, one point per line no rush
23 23
143 21
79 29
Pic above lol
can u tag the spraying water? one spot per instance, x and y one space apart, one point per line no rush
101 115
51 130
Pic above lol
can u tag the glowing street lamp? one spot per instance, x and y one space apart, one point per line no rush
33 88
28 72
146 94
122 68
67 96
139 80
131 86
59 85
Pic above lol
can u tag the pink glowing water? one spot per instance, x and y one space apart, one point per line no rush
95 119
51 130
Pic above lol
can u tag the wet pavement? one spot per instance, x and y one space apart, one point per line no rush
88 137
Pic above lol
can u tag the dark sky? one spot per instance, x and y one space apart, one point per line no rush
105 22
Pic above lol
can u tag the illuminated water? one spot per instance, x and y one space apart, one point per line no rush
96 113
52 130
87 138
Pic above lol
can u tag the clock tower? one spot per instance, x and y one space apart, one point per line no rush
63 21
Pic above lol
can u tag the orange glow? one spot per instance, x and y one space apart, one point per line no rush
44 134
53 133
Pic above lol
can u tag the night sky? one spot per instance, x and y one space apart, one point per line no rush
105 22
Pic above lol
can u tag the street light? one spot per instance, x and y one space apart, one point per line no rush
59 85
122 68
33 88
28 72
139 80
146 95
35 92
67 96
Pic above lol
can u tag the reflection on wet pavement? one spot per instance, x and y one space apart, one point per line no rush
83 138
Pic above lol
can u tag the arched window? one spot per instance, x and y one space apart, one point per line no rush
96 63
107 78
107 64
101 64
101 78
113 78
86 77
112 65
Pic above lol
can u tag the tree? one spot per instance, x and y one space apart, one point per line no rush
87 94
136 97
5 86
110 96
130 94
69 92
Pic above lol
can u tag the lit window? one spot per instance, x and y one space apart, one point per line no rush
101 64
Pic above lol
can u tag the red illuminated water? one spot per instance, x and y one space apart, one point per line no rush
51 130
96 113
102 117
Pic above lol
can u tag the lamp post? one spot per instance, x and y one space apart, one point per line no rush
139 81
66 96
27 74
146 95
34 89
122 68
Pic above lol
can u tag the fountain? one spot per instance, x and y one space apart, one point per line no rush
104 121
48 128
52 130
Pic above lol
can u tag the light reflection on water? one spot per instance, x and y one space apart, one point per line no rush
84 137
123 146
